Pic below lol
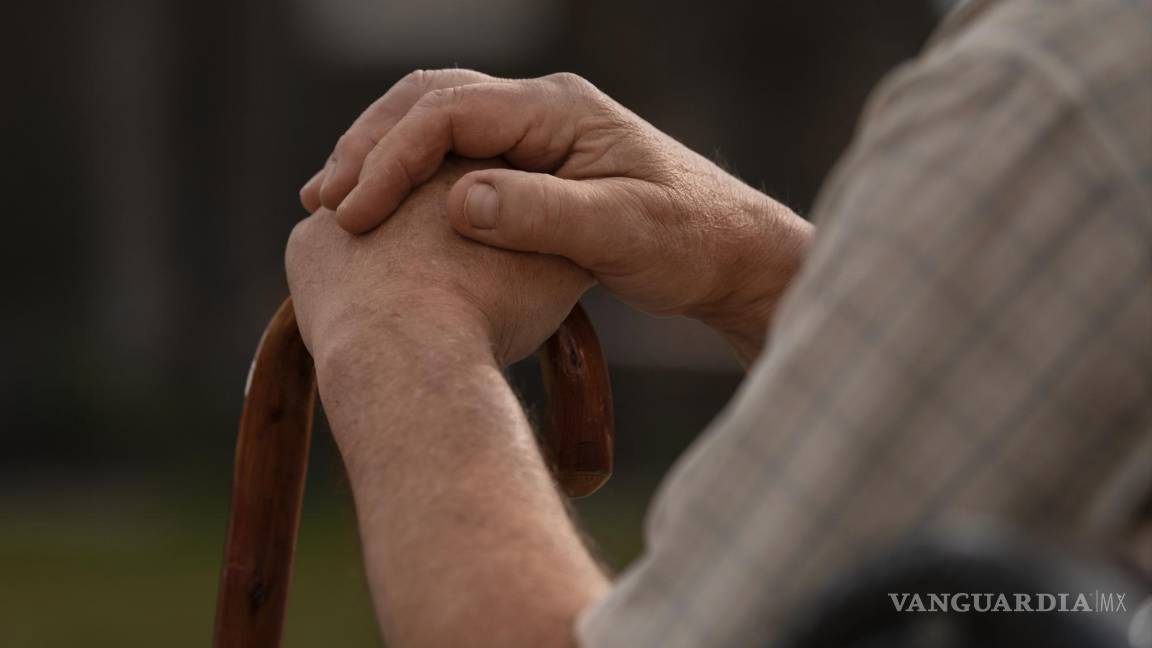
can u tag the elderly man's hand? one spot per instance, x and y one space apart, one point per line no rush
660 226
353 292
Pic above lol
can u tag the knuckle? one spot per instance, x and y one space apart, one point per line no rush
569 81
576 87
439 98
551 210
353 143
417 79
343 144
371 160
419 83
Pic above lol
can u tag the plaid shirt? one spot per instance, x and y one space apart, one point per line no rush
971 335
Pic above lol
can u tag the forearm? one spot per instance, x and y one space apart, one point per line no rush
466 540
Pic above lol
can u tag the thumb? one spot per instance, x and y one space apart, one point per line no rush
592 222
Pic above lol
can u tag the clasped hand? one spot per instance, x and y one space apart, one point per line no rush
593 192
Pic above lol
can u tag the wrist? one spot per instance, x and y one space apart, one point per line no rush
382 335
381 377
764 259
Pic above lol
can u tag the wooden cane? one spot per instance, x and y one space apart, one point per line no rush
272 459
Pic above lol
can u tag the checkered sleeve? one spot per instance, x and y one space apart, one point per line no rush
972 335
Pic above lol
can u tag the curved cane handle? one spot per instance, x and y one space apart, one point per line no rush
577 435
272 459
267 487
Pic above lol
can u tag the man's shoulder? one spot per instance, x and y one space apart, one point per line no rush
1097 53
1041 21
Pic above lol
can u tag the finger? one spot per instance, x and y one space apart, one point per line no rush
351 149
598 224
310 192
533 124
378 118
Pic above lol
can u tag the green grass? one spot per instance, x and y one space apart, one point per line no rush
124 573
91 568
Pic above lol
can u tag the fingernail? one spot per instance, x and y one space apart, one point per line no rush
482 206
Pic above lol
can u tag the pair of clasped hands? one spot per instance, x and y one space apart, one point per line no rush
490 205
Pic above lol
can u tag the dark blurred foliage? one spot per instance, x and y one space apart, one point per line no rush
155 148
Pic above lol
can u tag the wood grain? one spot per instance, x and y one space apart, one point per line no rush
577 436
267 488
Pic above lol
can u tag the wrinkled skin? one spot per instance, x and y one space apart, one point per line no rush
345 287
660 226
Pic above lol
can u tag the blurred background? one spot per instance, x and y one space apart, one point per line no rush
155 149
